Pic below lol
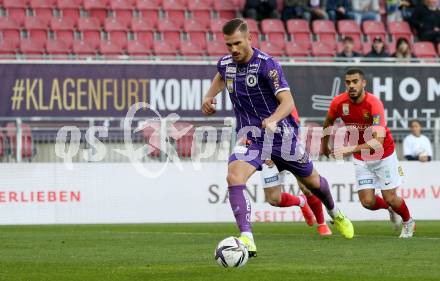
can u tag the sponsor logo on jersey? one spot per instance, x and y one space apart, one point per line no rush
365 181
230 85
225 62
345 109
376 119
273 74
231 69
271 179
262 57
254 65
251 80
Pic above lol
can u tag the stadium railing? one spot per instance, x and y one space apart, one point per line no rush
34 139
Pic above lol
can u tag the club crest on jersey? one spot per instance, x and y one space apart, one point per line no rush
251 80
367 115
230 85
345 109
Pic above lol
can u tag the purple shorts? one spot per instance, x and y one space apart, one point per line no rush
301 166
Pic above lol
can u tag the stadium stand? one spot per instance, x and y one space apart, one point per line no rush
27 150
139 27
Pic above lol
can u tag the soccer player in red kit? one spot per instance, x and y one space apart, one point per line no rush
375 160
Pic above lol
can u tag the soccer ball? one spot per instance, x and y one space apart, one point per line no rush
231 252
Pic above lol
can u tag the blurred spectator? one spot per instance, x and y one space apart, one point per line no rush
417 146
339 10
406 8
403 50
378 49
318 9
393 12
366 10
261 9
296 9
348 51
426 19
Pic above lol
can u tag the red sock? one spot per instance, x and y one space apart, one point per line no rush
288 200
380 204
316 206
403 211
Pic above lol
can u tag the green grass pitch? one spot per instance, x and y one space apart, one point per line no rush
287 251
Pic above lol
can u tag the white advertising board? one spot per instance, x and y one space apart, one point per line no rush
49 193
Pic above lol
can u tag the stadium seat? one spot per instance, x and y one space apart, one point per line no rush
81 48
299 31
271 49
31 47
216 25
196 32
27 150
164 48
200 5
351 28
424 49
294 49
148 4
321 49
110 48
216 48
90 29
199 38
170 5
57 47
16 14
274 31
36 27
8 47
70 9
138 48
167 25
95 4
146 37
373 29
122 10
176 16
8 4
202 16
399 29
36 4
142 24
62 23
225 9
191 48
152 138
10 30
117 31
64 35
325 32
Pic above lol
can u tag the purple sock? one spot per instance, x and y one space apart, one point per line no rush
324 194
241 207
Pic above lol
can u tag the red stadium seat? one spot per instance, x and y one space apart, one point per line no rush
190 48
320 49
10 30
90 29
62 23
193 25
119 37
216 48
373 29
202 16
198 38
225 9
169 5
294 49
323 27
183 143
424 49
58 47
272 26
399 29
298 26
122 10
69 9
35 4
176 16
271 49
151 16
200 5
8 4
92 38
31 47
88 23
95 4
196 32
163 48
114 24
351 28
66 36
17 14
138 48
142 24
152 138
148 4
83 48
36 23
110 48
8 47
172 38
167 25
252 25
216 25
146 37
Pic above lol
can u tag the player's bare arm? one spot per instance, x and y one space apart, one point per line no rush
375 143
284 108
216 87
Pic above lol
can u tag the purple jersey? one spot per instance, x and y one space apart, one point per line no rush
253 88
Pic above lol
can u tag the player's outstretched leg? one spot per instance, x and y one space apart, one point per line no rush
318 185
399 206
371 201
238 174
316 206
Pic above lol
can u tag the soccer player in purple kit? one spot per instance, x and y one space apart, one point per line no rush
262 104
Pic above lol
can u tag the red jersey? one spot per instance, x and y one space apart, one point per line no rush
295 114
368 113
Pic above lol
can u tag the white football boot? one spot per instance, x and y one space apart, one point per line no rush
408 229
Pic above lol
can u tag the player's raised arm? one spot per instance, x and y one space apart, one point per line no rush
216 87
